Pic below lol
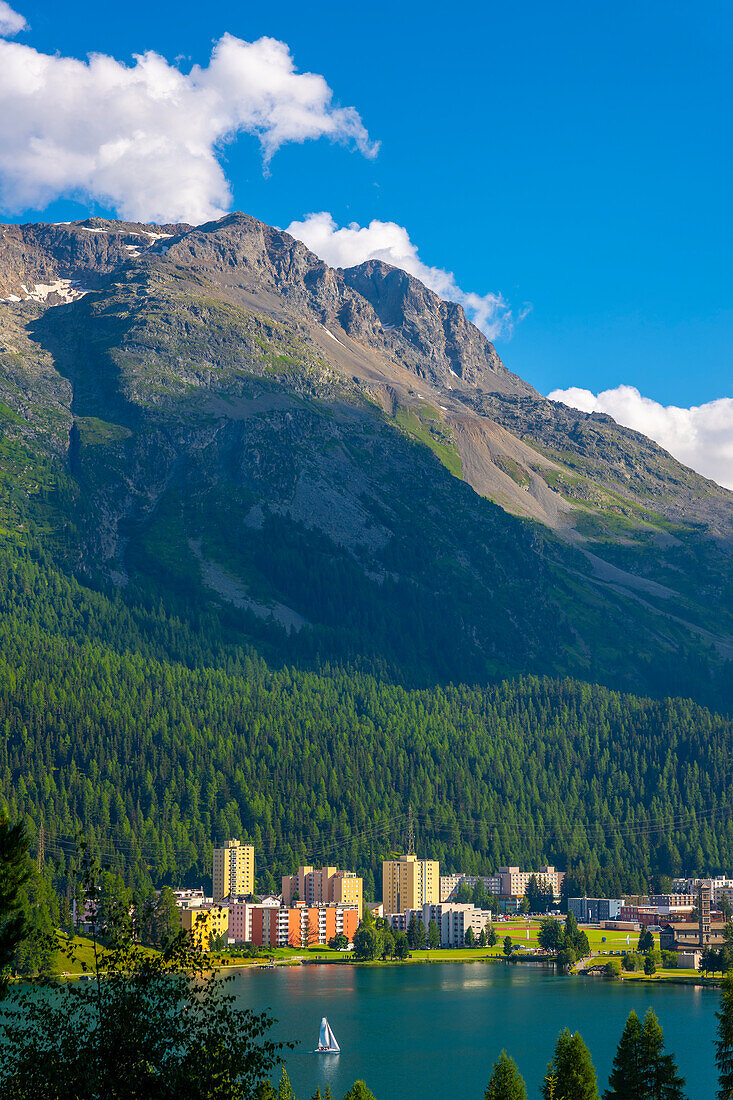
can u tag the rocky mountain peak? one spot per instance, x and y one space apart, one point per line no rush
265 268
53 263
452 349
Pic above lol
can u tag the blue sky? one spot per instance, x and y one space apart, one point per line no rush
573 156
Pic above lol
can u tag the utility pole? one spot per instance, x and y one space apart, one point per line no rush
41 848
410 835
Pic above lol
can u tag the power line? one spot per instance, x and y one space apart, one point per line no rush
128 848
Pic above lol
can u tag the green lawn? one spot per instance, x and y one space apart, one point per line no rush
454 954
280 955
615 941
83 963
84 952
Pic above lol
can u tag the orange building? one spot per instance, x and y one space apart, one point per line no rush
302 925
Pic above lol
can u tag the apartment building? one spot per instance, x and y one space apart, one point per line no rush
240 916
720 887
205 921
189 898
233 870
323 887
595 910
409 882
514 882
302 925
658 908
454 919
449 884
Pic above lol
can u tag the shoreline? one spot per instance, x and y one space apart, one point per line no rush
696 981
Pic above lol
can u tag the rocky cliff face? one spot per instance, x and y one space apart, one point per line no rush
322 452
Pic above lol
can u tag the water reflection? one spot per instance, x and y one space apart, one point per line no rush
435 1030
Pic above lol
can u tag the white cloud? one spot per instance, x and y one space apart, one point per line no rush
387 241
10 22
700 437
144 139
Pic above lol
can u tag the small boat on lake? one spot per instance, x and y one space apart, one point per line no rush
327 1040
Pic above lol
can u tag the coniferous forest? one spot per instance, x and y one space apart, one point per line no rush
154 760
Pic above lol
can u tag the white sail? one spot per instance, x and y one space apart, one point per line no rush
327 1039
332 1044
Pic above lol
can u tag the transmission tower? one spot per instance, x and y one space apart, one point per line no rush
410 835
41 847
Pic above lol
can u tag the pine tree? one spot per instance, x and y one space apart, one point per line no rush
661 1081
285 1090
570 1074
506 1082
359 1091
265 1091
626 1079
724 1042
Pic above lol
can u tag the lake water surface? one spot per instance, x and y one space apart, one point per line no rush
433 1031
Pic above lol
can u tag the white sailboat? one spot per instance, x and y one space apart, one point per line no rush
327 1040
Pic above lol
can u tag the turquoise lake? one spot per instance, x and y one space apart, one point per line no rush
433 1031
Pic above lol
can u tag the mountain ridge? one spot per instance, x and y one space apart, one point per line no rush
207 390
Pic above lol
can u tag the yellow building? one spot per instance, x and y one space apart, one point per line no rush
205 921
233 870
323 887
346 889
409 882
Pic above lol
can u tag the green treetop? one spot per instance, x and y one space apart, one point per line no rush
646 941
285 1089
506 1082
570 1074
366 939
551 936
661 1081
626 1081
359 1091
401 946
